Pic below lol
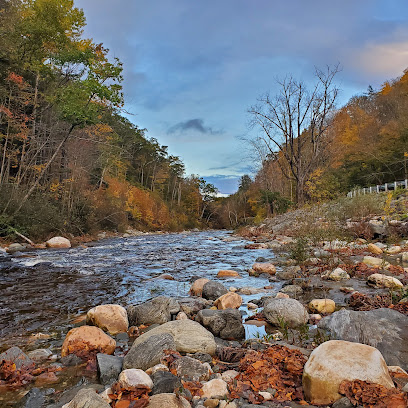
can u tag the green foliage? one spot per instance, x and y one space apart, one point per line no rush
275 201
299 250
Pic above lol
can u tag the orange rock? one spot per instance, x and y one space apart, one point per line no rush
85 339
228 301
45 378
111 318
197 287
264 267
228 274
374 249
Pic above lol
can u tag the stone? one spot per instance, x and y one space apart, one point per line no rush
45 379
226 324
374 249
281 295
343 403
252 306
156 311
384 281
149 352
191 306
335 361
211 402
110 318
404 257
197 286
229 375
228 301
165 382
248 290
213 290
289 311
216 388
156 368
33 399
181 316
189 336
259 245
292 290
109 368
18 357
375 262
12 248
325 306
190 369
384 329
228 274
87 398
168 401
288 273
58 242
394 249
337 275
132 378
85 339
40 355
264 267
378 227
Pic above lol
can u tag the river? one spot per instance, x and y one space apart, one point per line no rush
44 292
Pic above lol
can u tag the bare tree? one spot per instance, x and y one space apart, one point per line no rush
294 123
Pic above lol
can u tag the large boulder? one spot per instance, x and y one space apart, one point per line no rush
264 267
156 311
87 398
85 339
226 324
228 301
58 242
111 318
148 353
385 329
287 311
213 290
197 286
168 401
384 281
189 336
375 262
335 361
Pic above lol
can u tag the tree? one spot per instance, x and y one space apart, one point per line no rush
295 122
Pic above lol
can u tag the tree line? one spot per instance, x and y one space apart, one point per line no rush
70 162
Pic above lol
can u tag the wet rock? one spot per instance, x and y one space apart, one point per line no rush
147 353
337 275
335 361
133 378
264 267
374 249
191 306
216 388
165 382
375 262
168 401
40 355
45 379
226 324
87 398
158 310
228 274
58 242
190 369
85 339
292 290
18 357
71 360
384 281
197 287
248 290
213 290
189 336
12 248
33 399
256 246
288 273
109 368
165 276
111 318
228 301
343 403
385 329
289 311
325 306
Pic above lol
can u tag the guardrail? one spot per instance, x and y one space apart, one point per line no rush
378 188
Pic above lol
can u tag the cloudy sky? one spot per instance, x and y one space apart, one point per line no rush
193 67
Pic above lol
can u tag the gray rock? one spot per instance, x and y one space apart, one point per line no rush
191 306
343 403
288 273
157 310
12 248
71 360
165 382
87 398
385 329
378 227
203 357
17 356
33 399
189 336
289 311
226 324
109 368
39 355
213 290
148 353
190 369
292 290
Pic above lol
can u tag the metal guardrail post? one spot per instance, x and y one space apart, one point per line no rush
371 189
378 188
386 186
395 185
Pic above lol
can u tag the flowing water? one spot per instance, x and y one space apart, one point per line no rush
43 292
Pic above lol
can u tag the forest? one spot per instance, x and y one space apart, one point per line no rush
70 161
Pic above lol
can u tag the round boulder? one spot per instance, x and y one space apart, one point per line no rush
325 306
288 311
213 290
197 286
264 267
85 339
384 281
111 318
228 301
335 361
133 378
58 242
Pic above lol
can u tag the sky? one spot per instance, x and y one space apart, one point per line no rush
192 68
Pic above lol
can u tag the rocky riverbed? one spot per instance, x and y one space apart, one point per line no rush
205 319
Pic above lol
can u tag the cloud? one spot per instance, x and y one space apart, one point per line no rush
196 125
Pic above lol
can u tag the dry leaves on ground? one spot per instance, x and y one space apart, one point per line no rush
137 397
